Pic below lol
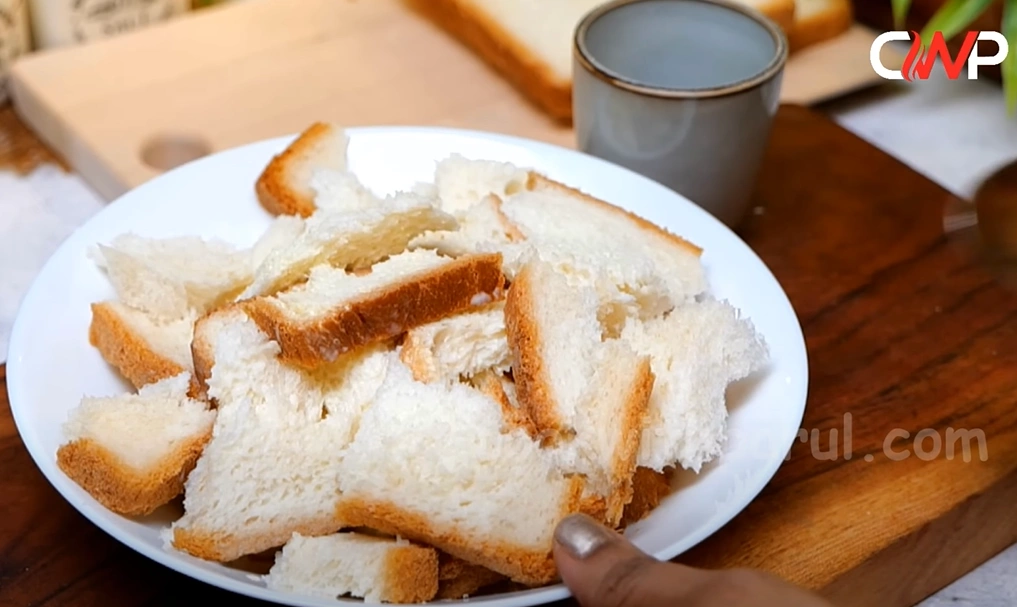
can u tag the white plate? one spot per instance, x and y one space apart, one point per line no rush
51 364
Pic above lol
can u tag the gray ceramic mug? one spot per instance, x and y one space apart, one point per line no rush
682 91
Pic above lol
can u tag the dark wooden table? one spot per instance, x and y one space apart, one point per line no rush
907 329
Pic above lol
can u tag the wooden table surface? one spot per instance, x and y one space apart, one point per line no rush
907 329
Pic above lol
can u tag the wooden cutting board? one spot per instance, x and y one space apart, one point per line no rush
907 331
245 71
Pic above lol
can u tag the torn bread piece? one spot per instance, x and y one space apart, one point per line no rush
464 182
284 186
499 388
482 224
132 452
588 398
142 350
272 466
402 475
353 240
697 351
335 311
649 488
171 278
458 579
282 232
459 345
350 564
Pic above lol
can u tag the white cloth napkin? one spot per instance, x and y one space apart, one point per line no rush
37 212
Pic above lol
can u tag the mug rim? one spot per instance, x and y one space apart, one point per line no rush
582 54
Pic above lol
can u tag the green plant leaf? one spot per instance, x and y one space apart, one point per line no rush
954 17
900 12
1009 67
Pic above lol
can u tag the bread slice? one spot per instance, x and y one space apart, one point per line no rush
143 350
173 278
484 222
272 466
649 488
587 397
530 42
502 390
405 474
697 351
461 345
282 232
284 187
463 182
349 240
335 311
817 21
375 569
458 579
132 452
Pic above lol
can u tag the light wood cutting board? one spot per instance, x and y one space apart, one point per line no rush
245 71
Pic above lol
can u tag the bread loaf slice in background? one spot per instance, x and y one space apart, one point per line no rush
334 311
818 20
430 463
133 452
529 42
375 569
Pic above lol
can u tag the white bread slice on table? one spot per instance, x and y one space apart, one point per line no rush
272 466
431 464
142 350
170 278
458 579
133 452
334 311
375 569
352 240
586 396
818 21
530 41
460 345
697 351
284 186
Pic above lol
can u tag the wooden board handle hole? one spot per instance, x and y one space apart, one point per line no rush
166 152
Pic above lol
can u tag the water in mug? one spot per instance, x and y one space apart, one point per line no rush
679 44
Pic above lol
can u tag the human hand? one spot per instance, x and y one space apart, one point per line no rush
603 569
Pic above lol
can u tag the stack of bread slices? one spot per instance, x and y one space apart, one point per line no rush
400 396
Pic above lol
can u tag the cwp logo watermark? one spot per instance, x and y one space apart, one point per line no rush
918 63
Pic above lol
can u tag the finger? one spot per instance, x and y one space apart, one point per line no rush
603 569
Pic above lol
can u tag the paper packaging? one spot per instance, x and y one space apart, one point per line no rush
14 37
65 22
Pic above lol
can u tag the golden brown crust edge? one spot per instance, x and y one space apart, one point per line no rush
528 369
447 290
513 416
649 488
126 350
631 425
821 27
222 547
517 563
467 581
538 182
478 31
273 188
125 490
411 575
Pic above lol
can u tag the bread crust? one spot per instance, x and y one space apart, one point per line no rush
222 547
538 182
126 350
528 73
531 375
649 488
447 290
121 488
203 359
458 579
520 564
512 415
631 425
411 575
274 189
823 26
781 12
